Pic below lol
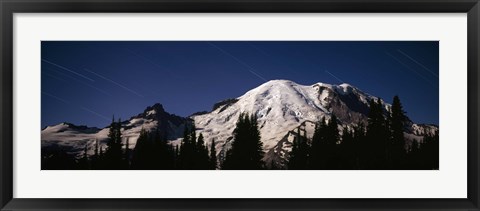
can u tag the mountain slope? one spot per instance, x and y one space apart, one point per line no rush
74 138
281 106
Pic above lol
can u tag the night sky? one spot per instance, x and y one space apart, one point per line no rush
86 82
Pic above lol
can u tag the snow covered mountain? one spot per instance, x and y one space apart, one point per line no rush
281 106
73 139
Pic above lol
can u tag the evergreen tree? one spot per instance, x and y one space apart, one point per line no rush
361 146
318 158
84 160
397 145
188 149
143 158
162 152
127 154
377 137
333 134
427 156
415 161
346 150
184 149
434 151
246 152
202 159
95 160
299 154
152 152
57 159
213 156
176 157
113 154
331 139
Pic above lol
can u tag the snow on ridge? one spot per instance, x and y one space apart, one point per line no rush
55 128
280 106
151 112
77 140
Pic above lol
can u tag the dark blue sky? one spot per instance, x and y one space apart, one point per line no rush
86 82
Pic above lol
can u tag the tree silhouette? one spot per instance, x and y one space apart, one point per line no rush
95 159
377 137
246 152
213 156
299 155
188 149
346 150
113 154
360 145
152 152
84 161
378 145
318 150
163 153
397 154
142 157
57 159
127 153
415 162
202 160
331 140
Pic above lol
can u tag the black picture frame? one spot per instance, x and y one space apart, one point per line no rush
9 7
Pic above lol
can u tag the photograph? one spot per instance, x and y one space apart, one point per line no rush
239 105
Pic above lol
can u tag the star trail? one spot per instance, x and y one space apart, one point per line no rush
87 82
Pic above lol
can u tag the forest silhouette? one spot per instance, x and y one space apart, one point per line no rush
378 145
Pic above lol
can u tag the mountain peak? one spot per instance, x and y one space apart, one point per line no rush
156 108
320 84
277 82
345 88
64 126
